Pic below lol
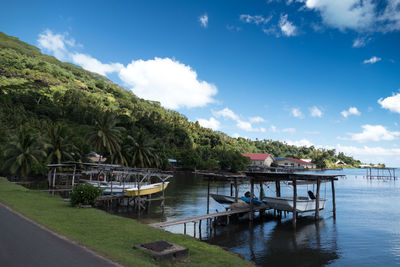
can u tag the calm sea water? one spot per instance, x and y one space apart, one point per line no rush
366 231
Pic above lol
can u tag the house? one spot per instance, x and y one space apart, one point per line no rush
340 162
294 163
258 159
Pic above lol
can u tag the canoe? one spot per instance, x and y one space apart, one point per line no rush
303 204
146 189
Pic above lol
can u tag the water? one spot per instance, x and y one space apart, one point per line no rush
366 231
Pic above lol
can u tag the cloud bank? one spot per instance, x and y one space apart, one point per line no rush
172 83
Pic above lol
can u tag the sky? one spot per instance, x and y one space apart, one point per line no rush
306 72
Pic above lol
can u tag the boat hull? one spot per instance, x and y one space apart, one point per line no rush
146 189
286 204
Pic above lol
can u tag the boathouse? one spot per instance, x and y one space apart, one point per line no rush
258 159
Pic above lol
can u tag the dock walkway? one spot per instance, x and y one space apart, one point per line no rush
207 216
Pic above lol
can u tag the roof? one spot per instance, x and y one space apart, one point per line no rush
296 160
256 156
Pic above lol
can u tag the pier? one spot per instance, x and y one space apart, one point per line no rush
380 173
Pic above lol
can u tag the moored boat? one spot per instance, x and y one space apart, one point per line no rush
303 204
146 189
222 199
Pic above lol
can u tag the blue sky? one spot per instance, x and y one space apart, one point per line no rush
308 72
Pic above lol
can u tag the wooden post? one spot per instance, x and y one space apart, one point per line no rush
73 176
278 192
261 191
333 198
138 198
200 229
231 189
317 199
163 197
294 202
194 229
184 228
208 196
251 198
54 177
236 190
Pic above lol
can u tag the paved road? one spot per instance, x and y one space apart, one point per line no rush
23 243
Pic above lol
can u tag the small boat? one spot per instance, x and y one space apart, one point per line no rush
303 204
115 188
222 199
146 189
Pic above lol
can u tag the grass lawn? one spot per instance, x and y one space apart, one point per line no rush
108 235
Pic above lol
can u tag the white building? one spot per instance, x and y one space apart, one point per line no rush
295 163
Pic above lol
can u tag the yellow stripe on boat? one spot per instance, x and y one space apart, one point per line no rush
146 189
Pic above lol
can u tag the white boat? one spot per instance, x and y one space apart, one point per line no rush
115 188
303 204
222 199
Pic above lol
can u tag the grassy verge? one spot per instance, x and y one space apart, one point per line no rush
109 235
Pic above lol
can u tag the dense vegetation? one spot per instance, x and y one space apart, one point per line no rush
52 112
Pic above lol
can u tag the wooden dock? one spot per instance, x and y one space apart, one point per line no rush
207 216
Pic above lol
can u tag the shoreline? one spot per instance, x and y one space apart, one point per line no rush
108 235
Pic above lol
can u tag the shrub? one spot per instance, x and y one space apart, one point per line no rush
85 194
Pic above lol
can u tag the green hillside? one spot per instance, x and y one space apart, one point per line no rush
51 111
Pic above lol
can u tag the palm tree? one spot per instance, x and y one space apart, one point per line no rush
59 144
142 151
22 153
105 135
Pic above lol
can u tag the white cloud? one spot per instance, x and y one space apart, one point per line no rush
273 129
211 123
315 112
360 42
287 27
372 154
351 111
391 103
372 60
94 65
296 112
358 15
374 133
248 127
168 81
289 130
257 119
257 19
302 142
226 113
203 20
55 44
235 135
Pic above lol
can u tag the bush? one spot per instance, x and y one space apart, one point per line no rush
85 194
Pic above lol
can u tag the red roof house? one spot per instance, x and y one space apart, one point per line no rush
259 159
